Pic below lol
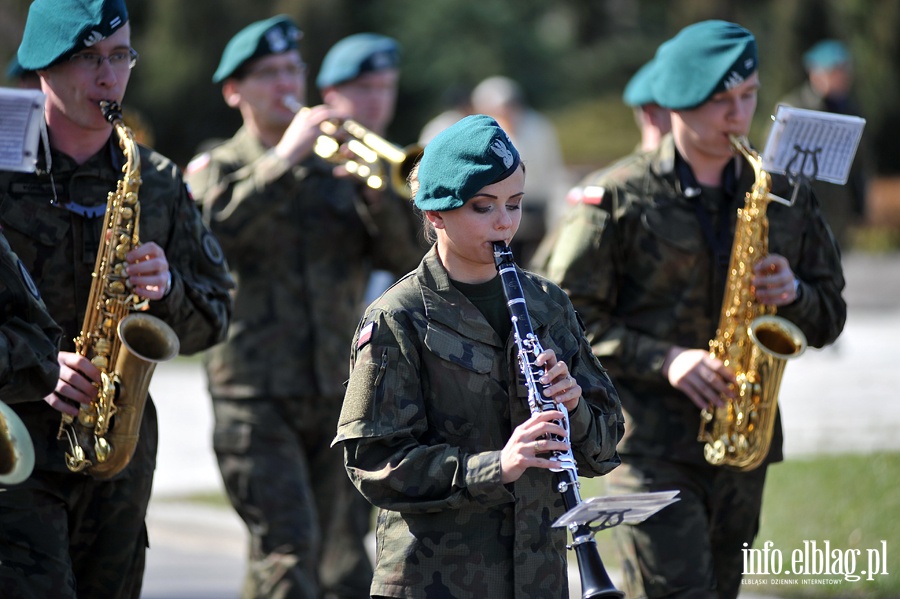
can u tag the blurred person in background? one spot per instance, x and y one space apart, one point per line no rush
652 120
359 78
536 139
301 243
653 123
457 101
829 88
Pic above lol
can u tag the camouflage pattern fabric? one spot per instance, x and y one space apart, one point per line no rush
301 245
58 247
292 491
671 554
429 406
67 536
637 268
635 263
29 338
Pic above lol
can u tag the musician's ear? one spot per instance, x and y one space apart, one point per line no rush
435 218
231 93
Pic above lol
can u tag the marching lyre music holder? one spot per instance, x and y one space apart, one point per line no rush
806 145
601 513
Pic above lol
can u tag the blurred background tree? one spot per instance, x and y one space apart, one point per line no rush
572 58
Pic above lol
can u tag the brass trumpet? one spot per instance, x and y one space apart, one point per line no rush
372 159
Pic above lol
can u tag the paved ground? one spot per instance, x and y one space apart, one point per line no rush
841 399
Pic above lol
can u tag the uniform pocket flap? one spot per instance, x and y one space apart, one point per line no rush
462 351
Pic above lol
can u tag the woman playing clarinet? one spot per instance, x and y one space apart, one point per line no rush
436 426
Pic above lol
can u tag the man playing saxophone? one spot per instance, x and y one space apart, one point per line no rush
68 534
277 381
644 261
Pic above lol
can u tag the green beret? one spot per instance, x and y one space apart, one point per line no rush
56 29
827 54
460 160
637 91
703 59
357 55
276 35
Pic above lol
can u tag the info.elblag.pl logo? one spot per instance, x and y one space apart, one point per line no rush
814 563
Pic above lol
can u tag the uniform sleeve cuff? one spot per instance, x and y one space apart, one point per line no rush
483 479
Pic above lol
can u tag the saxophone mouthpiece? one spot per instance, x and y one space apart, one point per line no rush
112 112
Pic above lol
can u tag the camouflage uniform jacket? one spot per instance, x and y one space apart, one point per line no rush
59 247
29 338
637 267
428 409
301 245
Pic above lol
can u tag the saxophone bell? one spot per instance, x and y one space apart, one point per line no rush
16 448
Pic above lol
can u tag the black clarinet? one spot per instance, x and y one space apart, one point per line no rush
595 582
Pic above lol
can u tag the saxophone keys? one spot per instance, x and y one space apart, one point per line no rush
117 287
87 418
77 462
101 347
715 452
101 362
127 213
102 449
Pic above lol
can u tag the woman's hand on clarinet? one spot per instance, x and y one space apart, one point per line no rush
563 388
529 440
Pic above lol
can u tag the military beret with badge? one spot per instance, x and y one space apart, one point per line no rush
462 159
702 60
357 55
56 29
275 35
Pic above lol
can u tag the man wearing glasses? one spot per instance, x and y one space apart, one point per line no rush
66 534
301 243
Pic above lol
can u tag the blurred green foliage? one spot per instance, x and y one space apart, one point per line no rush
572 58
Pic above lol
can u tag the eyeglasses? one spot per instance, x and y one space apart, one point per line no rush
117 60
270 74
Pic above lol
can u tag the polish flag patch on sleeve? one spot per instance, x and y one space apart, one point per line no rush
593 194
198 164
365 335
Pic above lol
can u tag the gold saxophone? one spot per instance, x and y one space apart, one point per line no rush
750 340
124 345
16 449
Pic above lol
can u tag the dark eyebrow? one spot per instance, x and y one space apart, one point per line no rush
493 197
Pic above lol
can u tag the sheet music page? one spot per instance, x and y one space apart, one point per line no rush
21 118
635 507
812 144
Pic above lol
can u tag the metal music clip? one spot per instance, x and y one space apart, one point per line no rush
802 168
